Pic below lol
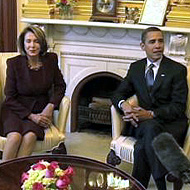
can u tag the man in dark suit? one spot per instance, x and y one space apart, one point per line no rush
161 88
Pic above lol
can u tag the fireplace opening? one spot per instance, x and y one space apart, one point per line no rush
91 102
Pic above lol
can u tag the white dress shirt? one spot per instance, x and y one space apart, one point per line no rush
155 68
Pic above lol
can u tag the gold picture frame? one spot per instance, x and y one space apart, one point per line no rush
153 12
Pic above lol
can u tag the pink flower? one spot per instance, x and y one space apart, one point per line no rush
53 166
60 184
37 186
69 171
39 166
49 174
64 1
24 177
63 182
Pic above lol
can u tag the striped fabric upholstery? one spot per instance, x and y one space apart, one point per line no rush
124 148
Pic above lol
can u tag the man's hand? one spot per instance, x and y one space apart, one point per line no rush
134 114
129 115
126 108
143 114
131 118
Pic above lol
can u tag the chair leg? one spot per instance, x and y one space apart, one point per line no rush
113 159
177 185
61 149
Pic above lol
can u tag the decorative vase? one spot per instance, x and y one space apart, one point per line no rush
67 12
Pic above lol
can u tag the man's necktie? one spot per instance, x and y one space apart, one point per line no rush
150 77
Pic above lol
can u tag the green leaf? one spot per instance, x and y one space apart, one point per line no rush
52 186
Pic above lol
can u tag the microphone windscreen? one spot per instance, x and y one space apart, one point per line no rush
172 156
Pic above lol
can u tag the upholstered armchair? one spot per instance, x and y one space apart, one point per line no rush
55 135
123 146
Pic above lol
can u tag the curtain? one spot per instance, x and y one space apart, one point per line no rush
8 25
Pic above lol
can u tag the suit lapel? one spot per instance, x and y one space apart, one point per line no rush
160 75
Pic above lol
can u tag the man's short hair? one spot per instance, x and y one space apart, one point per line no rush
40 35
146 31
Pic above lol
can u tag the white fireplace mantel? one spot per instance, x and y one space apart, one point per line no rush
86 48
101 24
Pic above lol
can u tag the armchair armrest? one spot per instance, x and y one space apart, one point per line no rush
186 146
117 123
60 117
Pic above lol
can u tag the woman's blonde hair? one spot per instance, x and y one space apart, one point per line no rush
40 35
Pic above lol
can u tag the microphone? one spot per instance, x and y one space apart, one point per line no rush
171 156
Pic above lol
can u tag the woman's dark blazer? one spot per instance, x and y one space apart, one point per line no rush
29 91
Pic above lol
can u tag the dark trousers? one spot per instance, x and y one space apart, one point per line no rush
145 160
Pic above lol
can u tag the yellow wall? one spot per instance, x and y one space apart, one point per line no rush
20 25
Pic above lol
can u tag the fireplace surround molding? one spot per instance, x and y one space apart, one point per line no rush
88 48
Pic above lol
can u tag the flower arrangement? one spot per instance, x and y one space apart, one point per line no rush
65 6
46 176
63 3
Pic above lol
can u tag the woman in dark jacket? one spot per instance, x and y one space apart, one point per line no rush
34 88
